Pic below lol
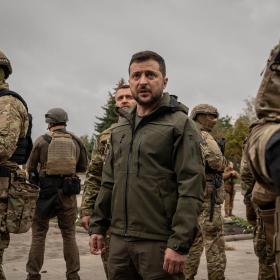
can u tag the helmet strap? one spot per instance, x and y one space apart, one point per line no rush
3 84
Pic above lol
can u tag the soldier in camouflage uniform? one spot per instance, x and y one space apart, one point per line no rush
13 126
262 249
230 175
262 152
211 234
125 101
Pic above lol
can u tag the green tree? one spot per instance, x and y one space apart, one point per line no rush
88 142
222 127
110 116
235 133
235 139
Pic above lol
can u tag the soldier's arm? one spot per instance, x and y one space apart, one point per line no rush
101 216
212 153
247 185
13 124
93 178
34 158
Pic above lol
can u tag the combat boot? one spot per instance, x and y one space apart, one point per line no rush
33 277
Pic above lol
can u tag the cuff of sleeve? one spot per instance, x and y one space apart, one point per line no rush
96 230
181 248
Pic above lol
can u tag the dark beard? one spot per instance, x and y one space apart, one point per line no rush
152 101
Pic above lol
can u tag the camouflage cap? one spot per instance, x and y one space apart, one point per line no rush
5 64
56 116
268 96
205 109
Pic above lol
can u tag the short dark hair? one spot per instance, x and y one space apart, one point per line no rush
146 55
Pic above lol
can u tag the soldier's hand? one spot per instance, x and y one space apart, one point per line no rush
173 261
85 222
96 244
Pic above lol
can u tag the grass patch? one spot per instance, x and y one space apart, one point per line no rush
247 228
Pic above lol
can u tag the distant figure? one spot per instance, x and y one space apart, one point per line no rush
54 161
230 176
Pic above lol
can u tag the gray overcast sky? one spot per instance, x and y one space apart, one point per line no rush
71 53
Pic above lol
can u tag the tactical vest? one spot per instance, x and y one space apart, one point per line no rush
62 154
24 145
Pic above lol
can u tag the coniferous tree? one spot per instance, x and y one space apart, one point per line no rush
110 115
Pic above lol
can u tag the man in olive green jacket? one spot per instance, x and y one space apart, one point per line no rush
152 181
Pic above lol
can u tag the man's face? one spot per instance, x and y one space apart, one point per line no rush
124 99
146 82
211 120
208 121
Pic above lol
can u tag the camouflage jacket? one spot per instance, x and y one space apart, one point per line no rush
214 159
94 173
13 125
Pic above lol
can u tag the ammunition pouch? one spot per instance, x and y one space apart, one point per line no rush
17 202
22 198
267 217
262 197
71 185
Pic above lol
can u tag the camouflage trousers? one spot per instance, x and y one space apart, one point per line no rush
211 237
263 251
105 253
4 235
229 199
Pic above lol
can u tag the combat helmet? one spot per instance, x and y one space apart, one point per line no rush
5 64
204 109
56 116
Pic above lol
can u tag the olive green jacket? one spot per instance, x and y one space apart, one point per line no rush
153 178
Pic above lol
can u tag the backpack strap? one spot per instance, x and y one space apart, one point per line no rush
47 138
5 92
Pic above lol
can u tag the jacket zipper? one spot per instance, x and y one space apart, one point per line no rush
138 159
126 183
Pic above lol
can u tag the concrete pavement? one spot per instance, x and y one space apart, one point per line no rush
241 260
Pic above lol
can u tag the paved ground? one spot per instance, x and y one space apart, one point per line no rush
242 263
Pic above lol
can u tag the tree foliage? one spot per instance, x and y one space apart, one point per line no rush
235 132
88 142
110 116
